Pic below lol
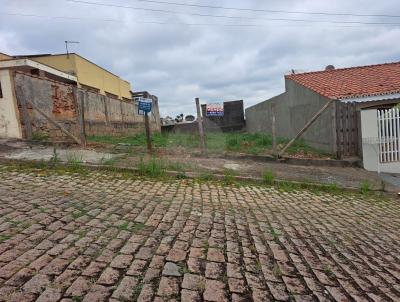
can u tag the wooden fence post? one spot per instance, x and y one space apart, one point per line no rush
148 134
80 96
273 129
24 110
54 123
201 129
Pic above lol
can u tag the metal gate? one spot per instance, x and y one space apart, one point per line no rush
347 130
389 135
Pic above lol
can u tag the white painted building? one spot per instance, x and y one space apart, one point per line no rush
10 125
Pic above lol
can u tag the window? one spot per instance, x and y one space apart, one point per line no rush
1 92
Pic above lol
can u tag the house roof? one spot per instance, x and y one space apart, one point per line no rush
353 82
18 63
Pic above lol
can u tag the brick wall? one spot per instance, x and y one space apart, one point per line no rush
62 103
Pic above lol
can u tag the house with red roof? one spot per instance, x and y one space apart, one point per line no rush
348 90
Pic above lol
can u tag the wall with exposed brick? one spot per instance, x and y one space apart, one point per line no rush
62 103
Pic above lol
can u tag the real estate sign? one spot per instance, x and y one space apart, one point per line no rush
144 106
215 109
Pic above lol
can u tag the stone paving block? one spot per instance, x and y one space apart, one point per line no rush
121 261
214 291
108 277
147 293
36 284
78 288
98 293
215 255
176 255
125 289
214 270
237 285
193 282
137 267
189 296
102 238
171 269
168 287
50 295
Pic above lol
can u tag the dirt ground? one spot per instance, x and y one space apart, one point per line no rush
181 160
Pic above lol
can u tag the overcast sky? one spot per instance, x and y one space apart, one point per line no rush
178 62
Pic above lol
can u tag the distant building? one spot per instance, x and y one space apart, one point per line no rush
89 75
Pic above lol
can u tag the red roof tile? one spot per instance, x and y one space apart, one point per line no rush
352 82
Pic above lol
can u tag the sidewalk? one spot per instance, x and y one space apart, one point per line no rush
348 177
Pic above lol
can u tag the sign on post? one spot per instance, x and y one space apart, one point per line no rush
215 109
144 106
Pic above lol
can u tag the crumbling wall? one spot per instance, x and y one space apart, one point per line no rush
62 103
54 98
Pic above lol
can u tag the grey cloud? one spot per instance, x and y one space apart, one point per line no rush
179 63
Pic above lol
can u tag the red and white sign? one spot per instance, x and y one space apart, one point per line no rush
215 109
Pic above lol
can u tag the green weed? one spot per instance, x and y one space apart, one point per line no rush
365 187
229 177
39 137
4 238
152 168
108 161
206 176
124 226
137 227
268 177
55 159
276 271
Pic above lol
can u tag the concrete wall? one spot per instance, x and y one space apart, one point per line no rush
293 109
370 147
89 74
9 116
102 115
233 119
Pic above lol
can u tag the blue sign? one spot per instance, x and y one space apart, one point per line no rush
145 106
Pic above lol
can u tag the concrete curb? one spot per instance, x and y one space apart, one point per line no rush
292 160
189 175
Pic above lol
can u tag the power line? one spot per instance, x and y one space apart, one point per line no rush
269 10
170 23
229 17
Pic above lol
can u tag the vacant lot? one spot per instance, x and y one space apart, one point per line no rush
217 143
97 236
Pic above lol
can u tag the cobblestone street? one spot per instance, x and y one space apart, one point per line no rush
99 237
